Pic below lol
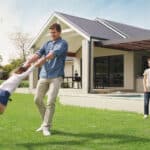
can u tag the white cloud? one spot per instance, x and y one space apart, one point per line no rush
9 21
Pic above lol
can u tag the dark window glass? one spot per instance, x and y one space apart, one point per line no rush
108 71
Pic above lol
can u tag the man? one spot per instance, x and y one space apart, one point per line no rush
146 85
51 75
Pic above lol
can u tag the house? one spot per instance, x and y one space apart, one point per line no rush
107 55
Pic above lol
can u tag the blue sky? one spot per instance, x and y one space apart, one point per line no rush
30 15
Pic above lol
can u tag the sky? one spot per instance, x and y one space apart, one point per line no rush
29 16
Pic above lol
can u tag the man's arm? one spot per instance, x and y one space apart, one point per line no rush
40 62
43 59
144 83
62 48
35 56
33 59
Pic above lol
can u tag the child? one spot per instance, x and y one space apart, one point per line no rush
146 85
9 86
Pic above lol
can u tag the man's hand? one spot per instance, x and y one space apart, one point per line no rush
40 62
50 55
31 60
26 64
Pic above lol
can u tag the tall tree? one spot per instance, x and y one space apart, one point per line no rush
21 41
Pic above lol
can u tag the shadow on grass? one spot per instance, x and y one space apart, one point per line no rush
84 139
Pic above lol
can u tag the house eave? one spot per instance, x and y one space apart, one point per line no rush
64 20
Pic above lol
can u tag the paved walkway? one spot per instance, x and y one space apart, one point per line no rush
132 102
24 90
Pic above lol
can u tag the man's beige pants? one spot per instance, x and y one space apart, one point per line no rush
52 87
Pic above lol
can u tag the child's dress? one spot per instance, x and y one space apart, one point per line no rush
9 86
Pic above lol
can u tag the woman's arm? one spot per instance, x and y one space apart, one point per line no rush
144 83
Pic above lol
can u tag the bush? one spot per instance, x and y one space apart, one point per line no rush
1 81
24 83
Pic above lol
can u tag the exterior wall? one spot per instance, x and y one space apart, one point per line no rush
139 84
68 68
129 74
77 61
129 61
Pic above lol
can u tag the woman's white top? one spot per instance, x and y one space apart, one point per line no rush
13 82
147 73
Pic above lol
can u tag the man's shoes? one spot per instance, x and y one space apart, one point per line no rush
46 131
39 129
145 116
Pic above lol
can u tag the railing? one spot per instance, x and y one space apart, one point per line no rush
70 81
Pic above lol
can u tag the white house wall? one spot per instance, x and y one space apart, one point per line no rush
129 79
68 68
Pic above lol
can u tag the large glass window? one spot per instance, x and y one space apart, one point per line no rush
144 63
108 71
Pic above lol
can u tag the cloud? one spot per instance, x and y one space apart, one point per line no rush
9 22
13 19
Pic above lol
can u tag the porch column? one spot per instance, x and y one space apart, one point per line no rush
33 77
85 66
129 71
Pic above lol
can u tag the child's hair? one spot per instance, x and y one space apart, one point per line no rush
20 70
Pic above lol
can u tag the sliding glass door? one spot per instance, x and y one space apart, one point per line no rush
108 71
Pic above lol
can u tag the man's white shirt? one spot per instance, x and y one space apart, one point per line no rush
13 82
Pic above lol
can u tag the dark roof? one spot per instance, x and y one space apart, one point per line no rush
110 34
90 27
131 31
95 28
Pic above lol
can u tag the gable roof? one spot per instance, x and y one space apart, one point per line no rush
91 28
99 28
131 31
105 29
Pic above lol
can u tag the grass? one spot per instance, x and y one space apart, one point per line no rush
74 128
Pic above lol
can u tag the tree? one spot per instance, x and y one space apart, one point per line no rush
21 42
13 64
1 59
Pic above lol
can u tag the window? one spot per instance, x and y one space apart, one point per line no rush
108 71
144 63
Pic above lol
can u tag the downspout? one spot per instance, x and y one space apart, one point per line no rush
89 77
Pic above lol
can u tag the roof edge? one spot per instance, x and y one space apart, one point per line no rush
59 16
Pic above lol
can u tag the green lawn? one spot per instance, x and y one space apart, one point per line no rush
74 128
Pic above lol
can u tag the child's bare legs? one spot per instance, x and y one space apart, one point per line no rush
2 108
